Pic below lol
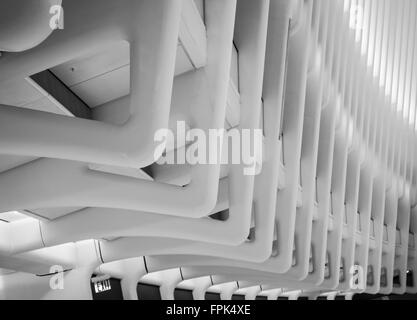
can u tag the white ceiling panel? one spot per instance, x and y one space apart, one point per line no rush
104 88
105 76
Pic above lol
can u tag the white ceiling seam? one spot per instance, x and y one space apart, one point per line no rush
94 141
